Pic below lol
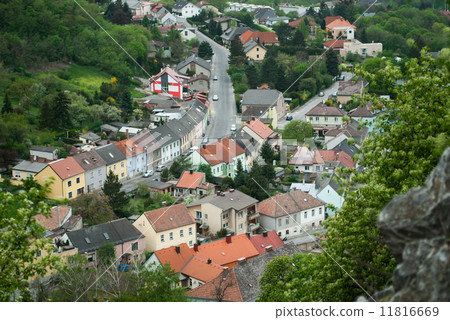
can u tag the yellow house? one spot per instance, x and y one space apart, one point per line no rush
166 227
27 169
68 178
64 255
115 160
254 51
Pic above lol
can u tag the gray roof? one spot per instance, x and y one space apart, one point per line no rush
264 13
351 150
236 200
91 238
164 135
323 181
249 45
107 127
249 273
179 4
180 128
194 59
43 149
29 166
110 153
233 32
89 160
253 112
260 97
90 136
246 141
159 185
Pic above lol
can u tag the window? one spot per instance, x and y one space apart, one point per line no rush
306 215
312 213
181 233
225 225
29 175
225 216
190 243
114 167
198 215
257 49
326 118
190 231
240 215
279 222
69 183
91 257
122 164
99 172
17 174
279 234
92 174
287 220
190 282
295 230
306 167
78 180
170 235
295 217
313 224
122 175
80 191
320 210
135 246
162 238
287 231
335 119
240 227
70 195
257 56
363 51
317 118
206 216
38 253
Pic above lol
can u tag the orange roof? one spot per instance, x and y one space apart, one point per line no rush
190 180
200 269
264 87
223 151
222 253
66 168
337 155
176 260
263 37
339 23
260 128
209 290
129 147
335 43
330 19
54 221
295 23
261 242
167 218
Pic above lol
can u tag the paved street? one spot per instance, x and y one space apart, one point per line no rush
132 184
299 113
223 111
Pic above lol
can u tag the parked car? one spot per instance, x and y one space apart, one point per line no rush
215 78
321 94
148 173
205 140
288 118
215 97
233 127
341 77
160 168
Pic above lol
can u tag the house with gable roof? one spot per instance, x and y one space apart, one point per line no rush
194 65
232 33
266 38
291 213
305 160
94 167
364 115
232 210
347 89
68 178
351 129
169 82
128 241
205 5
185 9
27 169
193 183
329 192
323 118
222 155
135 155
264 98
338 27
254 51
166 227
115 160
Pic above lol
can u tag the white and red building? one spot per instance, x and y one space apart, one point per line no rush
169 82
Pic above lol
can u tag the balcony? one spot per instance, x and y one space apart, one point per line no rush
252 215
253 226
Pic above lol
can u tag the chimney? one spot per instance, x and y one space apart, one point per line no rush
177 249
195 247
248 235
209 260
108 142
265 234
268 248
191 171
240 260
204 146
225 268
218 193
164 204
228 238
253 118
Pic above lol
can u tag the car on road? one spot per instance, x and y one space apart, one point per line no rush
148 173
215 78
321 94
233 127
160 168
288 118
205 140
341 77
215 97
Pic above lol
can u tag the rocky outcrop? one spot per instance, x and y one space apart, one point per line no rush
416 227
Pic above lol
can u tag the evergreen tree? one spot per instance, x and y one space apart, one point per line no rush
117 199
7 107
61 116
204 50
252 76
239 176
212 28
267 153
332 62
268 70
237 55
127 103
206 168
146 22
298 39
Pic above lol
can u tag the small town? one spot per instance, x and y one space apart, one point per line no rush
253 151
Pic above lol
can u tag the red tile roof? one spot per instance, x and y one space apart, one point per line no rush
54 221
171 217
361 112
208 291
261 243
176 261
223 151
200 269
260 128
223 253
339 23
330 19
335 44
337 155
263 37
177 77
303 156
129 147
66 168
295 23
288 203
190 180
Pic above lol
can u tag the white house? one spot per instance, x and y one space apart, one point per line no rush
185 9
329 193
291 214
306 161
168 141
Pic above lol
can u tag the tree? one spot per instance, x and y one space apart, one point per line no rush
298 39
117 199
206 168
268 70
165 174
239 176
332 62
409 138
283 30
7 107
178 166
146 22
237 55
298 130
94 207
106 254
267 153
221 233
227 183
252 76
204 50
25 252
178 49
120 17
127 102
